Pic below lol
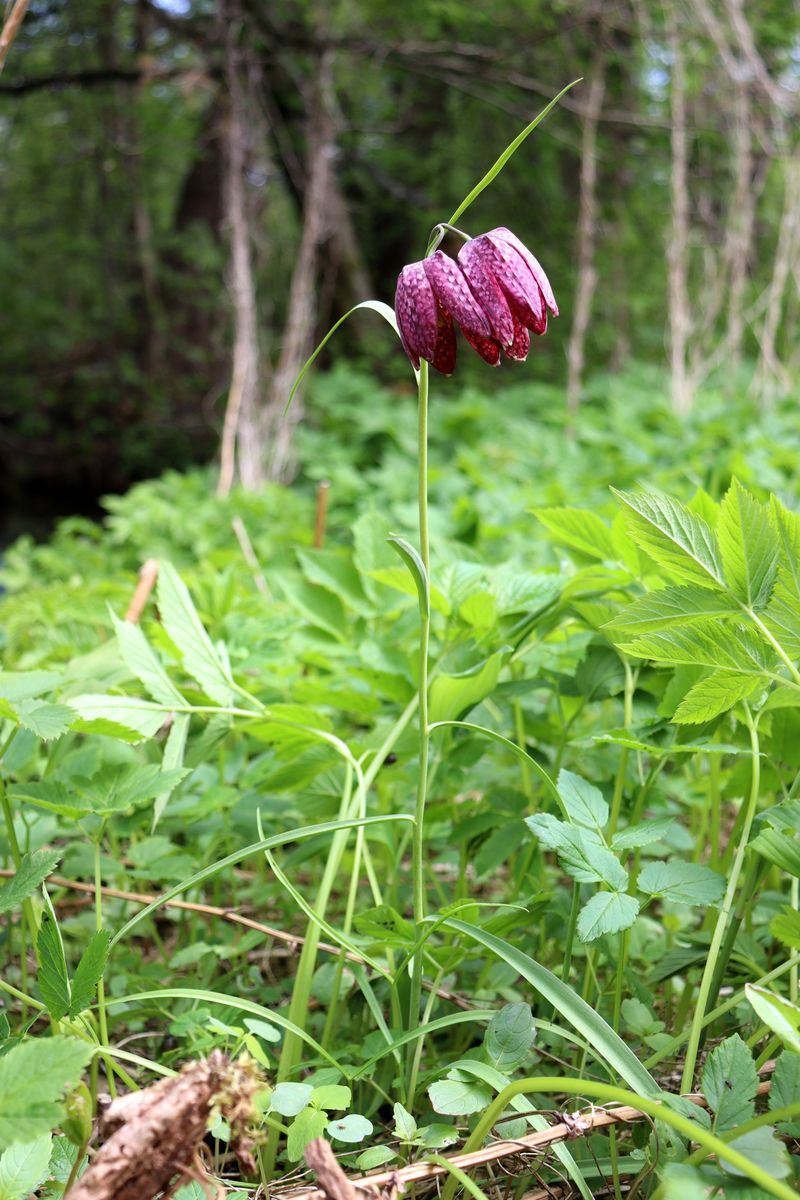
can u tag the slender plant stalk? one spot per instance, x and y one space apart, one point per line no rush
709 970
417 865
102 1019
793 991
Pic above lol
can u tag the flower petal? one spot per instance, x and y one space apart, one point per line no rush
521 289
417 313
488 348
444 354
518 350
534 266
451 290
478 272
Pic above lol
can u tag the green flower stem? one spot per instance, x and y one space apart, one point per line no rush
28 915
102 1018
709 970
418 841
609 1094
23 997
793 996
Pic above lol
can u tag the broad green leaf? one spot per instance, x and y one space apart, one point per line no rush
749 546
89 972
172 760
777 1013
765 1150
580 852
785 1089
352 1128
33 1077
581 529
452 696
606 912
404 1124
642 835
141 660
681 882
583 801
376 1156
458 1097
33 870
670 607
509 1037
47 721
724 647
289 1099
309 1124
26 685
52 976
675 538
729 1083
185 629
23 1167
778 848
107 714
417 570
333 1097
715 694
607 1046
333 571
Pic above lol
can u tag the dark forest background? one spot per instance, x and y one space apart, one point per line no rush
192 192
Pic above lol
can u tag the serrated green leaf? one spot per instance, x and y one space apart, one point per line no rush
681 882
749 546
185 629
777 1013
172 760
89 972
32 871
715 694
509 1036
730 1082
23 1167
580 852
52 976
785 1089
583 801
606 912
47 721
779 848
675 538
642 835
33 1076
581 529
786 927
140 659
105 714
671 607
706 644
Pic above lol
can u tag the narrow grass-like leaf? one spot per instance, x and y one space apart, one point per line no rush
174 751
606 1044
416 567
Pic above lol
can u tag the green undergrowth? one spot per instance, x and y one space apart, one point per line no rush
611 858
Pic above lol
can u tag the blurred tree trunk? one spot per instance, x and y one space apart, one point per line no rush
318 220
586 282
771 374
241 434
678 248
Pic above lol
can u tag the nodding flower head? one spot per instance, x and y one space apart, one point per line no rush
495 292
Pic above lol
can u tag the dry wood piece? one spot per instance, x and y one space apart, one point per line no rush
147 581
330 1176
153 1135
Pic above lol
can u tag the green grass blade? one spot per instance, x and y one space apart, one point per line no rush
546 779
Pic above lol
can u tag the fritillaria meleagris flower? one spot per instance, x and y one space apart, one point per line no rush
496 292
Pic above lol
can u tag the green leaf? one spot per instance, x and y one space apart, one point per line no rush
716 693
417 570
26 685
777 1013
763 1149
509 1037
289 1099
172 760
23 1167
580 852
730 1083
642 835
749 546
681 882
778 848
706 644
185 629
458 1097
452 696
785 1089
140 659
47 721
115 715
675 538
376 1156
33 870
333 571
352 1128
33 1076
606 1044
332 1097
583 801
786 927
606 912
404 1124
581 529
671 607
52 976
89 972
311 1123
